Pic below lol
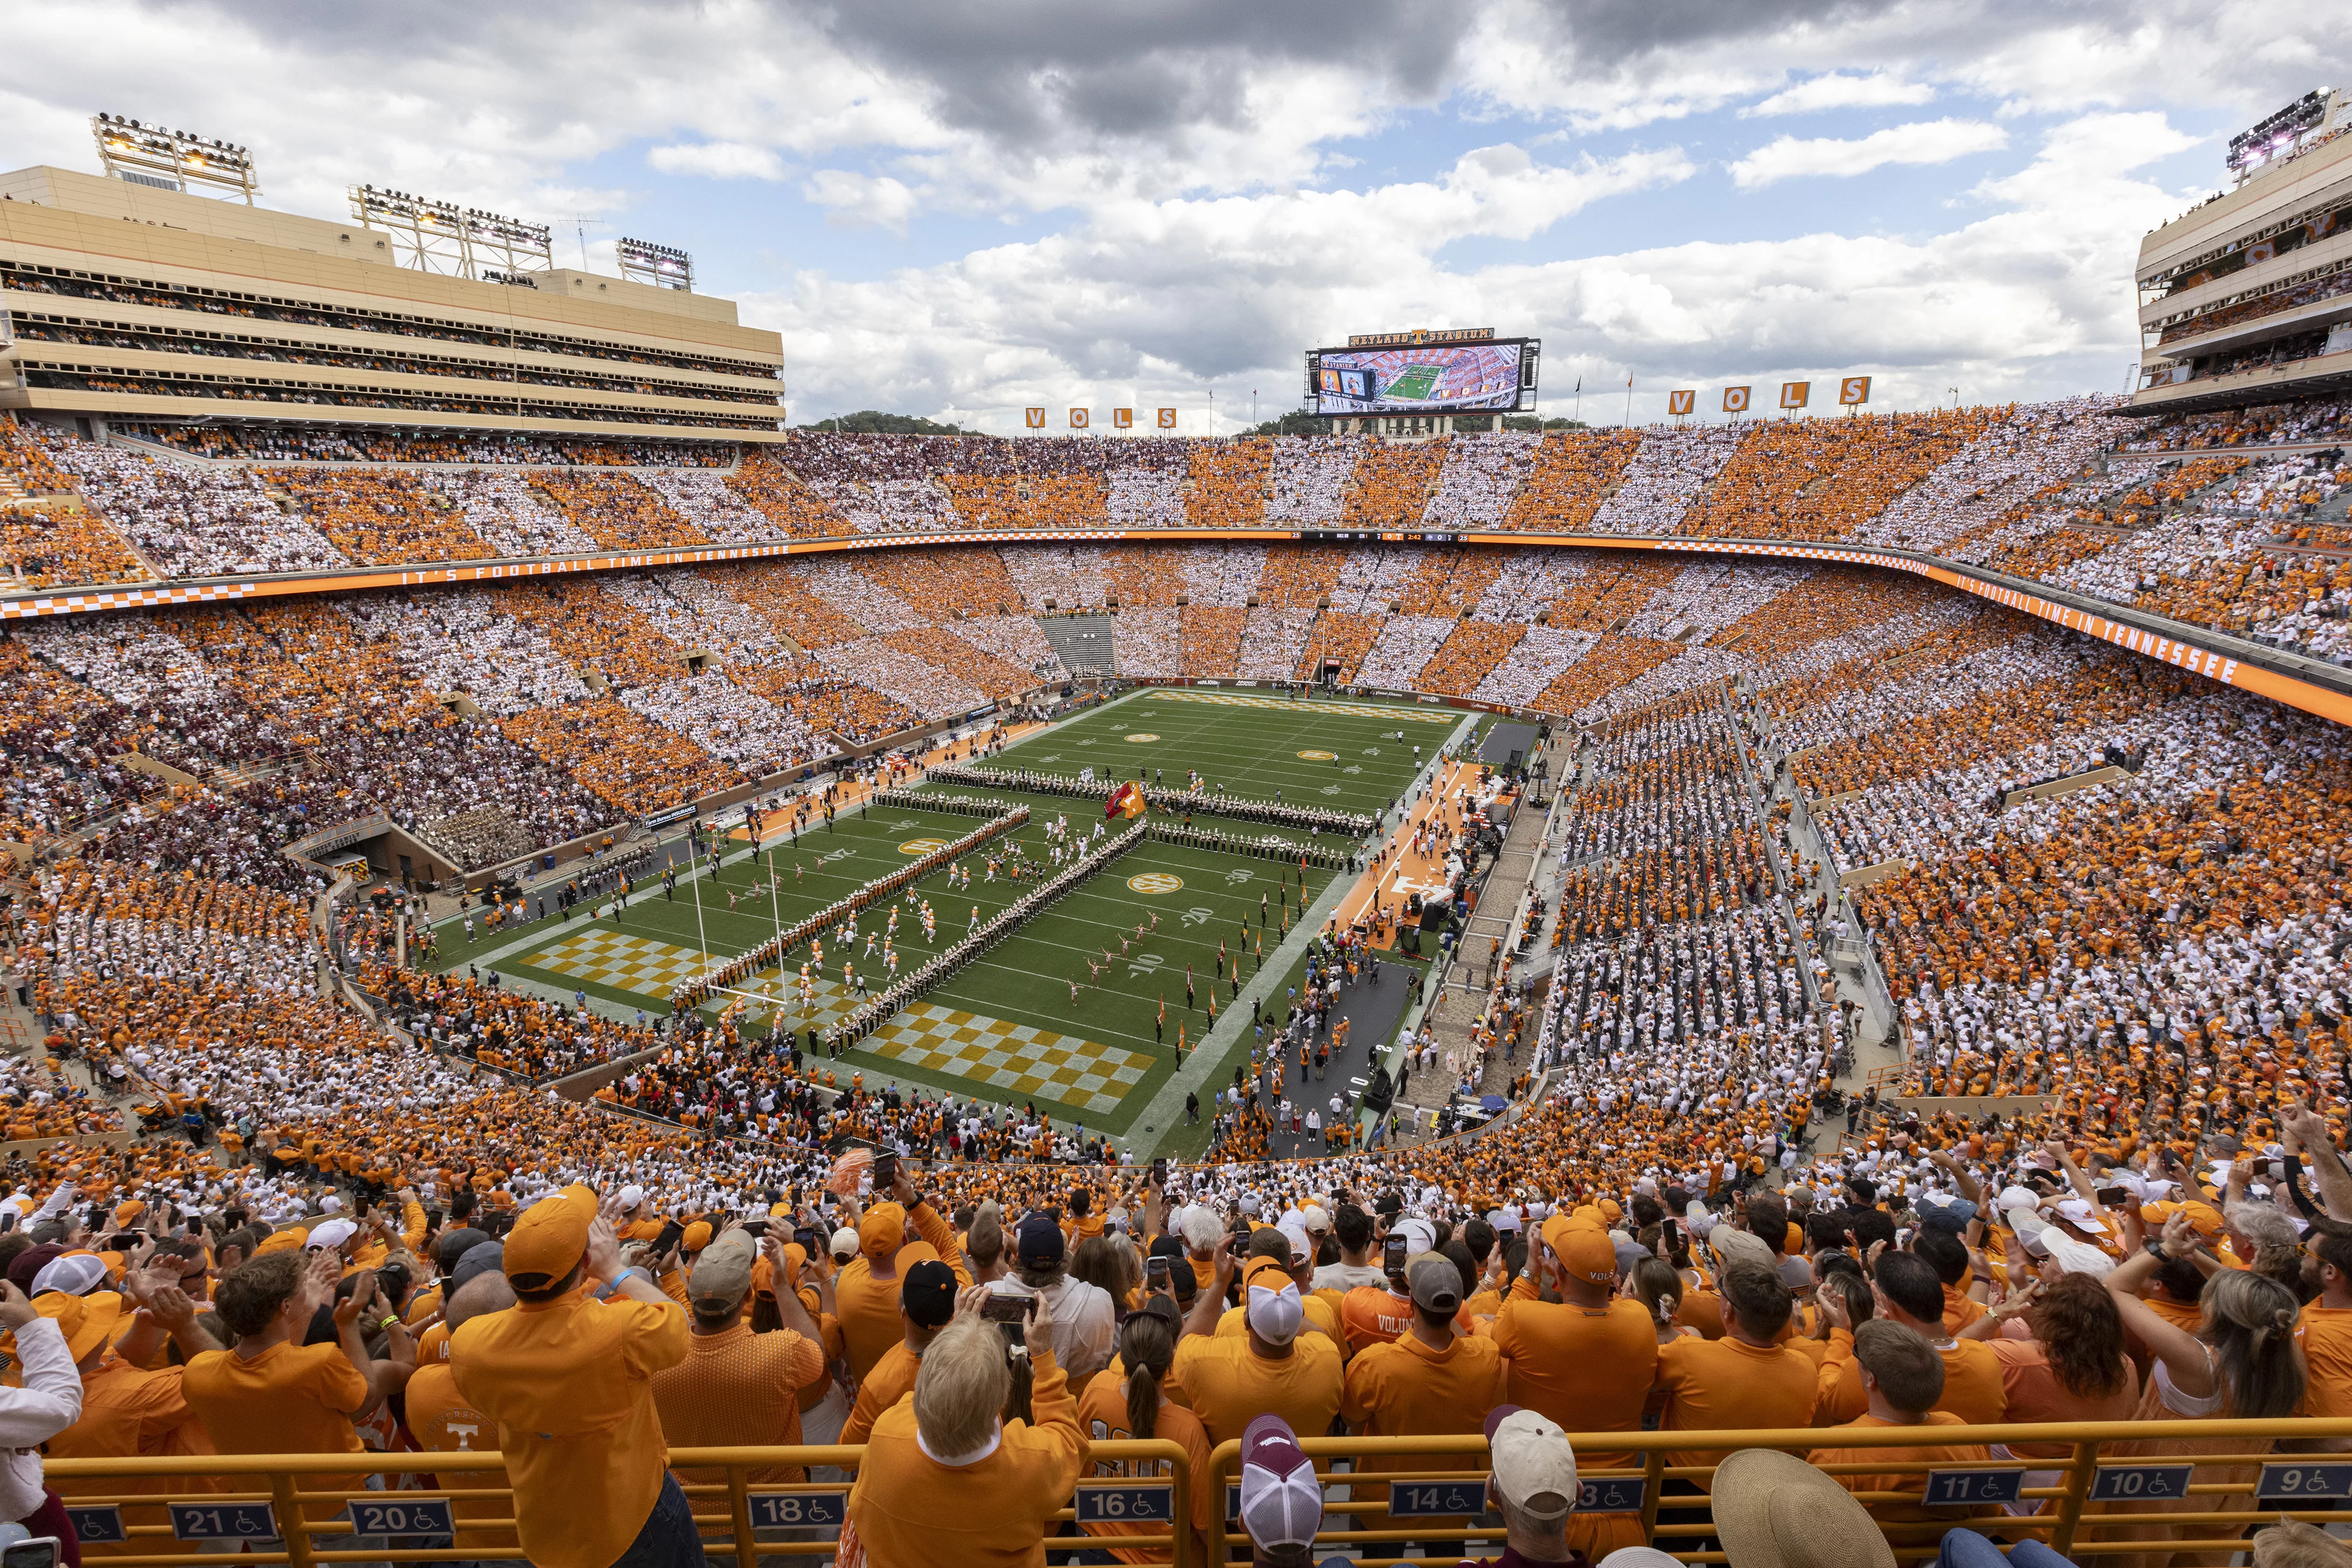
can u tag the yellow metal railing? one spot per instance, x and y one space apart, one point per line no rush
262 1499
2101 1505
2094 1489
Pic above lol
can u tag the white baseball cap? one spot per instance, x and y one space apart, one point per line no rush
1532 1464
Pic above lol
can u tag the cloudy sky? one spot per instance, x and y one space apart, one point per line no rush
958 208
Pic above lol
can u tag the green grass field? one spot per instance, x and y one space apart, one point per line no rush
1415 382
1336 753
1007 1027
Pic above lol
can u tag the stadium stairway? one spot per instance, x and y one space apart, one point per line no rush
1468 978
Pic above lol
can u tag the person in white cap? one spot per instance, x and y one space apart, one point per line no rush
1282 1502
1531 1480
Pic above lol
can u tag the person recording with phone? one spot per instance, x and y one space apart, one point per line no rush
48 1400
947 1478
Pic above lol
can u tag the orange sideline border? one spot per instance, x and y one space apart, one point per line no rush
2212 663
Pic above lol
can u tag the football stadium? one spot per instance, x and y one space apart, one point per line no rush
1769 989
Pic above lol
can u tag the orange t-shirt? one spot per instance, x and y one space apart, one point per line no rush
290 1399
442 1423
1729 1384
1592 1366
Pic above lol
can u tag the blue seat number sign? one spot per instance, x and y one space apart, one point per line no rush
1611 1494
782 1511
1427 1499
404 1516
100 1526
2128 1483
1117 1502
2282 1483
1963 1488
224 1521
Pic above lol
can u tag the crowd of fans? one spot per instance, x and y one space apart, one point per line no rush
2163 956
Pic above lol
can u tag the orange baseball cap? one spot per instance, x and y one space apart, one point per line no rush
549 1237
881 1230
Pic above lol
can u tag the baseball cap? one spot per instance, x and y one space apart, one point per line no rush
75 1274
480 1259
1941 1211
2077 1213
631 1197
456 1244
1420 1235
549 1237
1532 1463
1732 1245
1037 1242
1434 1283
882 1230
328 1235
1270 1300
844 1244
1282 1502
697 1236
928 1294
722 1275
1586 1253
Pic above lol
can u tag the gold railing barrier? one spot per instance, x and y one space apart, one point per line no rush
2226 1457
722 1509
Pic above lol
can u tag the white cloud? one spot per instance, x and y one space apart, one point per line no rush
861 201
1840 89
718 161
1922 141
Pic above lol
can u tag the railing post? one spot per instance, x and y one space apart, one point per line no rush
739 1503
2079 1477
1180 1552
288 1502
1217 1507
1653 1481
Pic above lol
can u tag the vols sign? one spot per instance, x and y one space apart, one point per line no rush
1735 400
1035 417
1168 419
1122 417
1680 402
1078 419
1854 389
1794 393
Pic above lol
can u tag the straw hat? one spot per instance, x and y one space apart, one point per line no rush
1774 1510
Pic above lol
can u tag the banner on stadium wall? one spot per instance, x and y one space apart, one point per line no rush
1168 419
1794 394
1735 400
1854 389
2261 250
1036 417
1680 402
1122 417
1078 419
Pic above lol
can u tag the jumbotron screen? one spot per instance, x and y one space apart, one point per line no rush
1496 377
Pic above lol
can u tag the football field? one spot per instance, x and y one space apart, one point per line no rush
1068 1014
1413 384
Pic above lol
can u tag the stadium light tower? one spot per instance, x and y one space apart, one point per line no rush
642 261
172 160
458 242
